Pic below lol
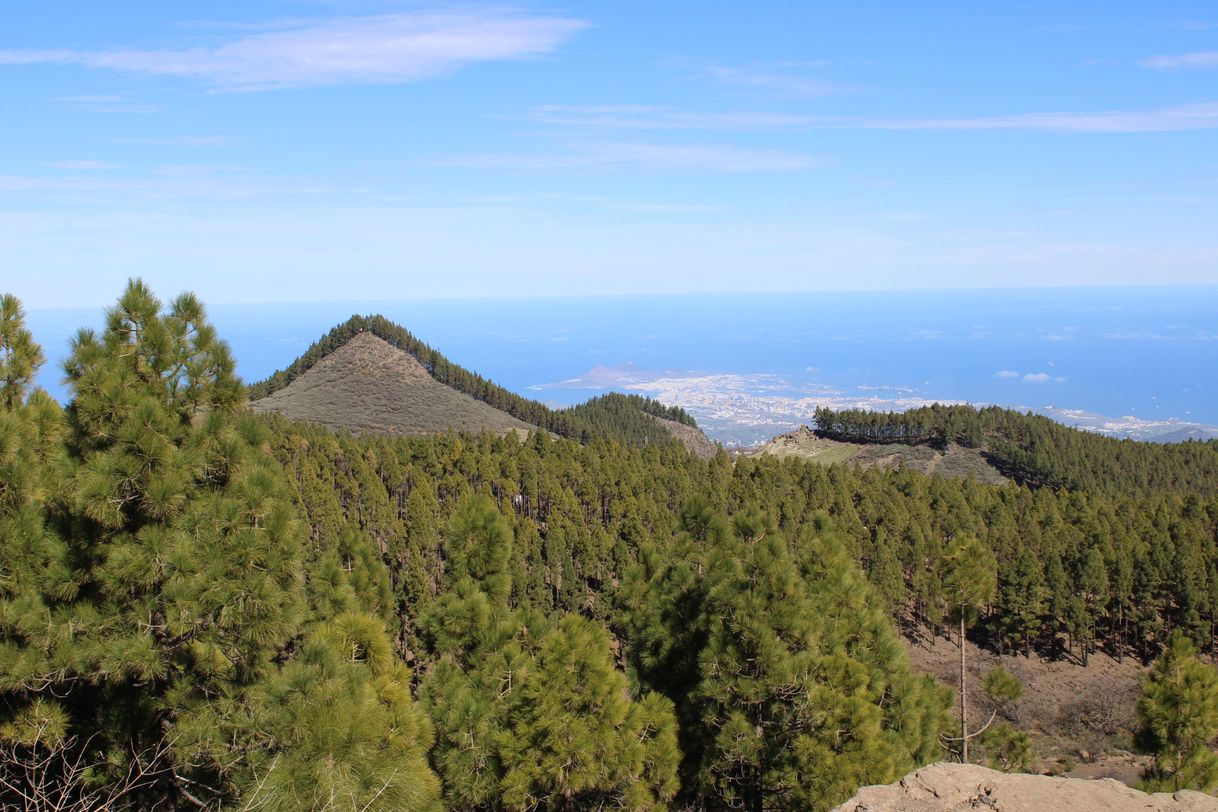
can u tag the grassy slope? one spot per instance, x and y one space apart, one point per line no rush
955 461
366 385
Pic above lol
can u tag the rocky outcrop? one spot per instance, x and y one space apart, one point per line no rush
953 787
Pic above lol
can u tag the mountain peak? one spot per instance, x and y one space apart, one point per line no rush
366 385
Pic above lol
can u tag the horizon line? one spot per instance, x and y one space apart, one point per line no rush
507 297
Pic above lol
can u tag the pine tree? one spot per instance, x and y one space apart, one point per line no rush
790 683
1093 582
1178 710
970 583
887 577
37 582
20 356
340 728
578 741
1021 597
479 546
170 591
1007 748
182 523
756 662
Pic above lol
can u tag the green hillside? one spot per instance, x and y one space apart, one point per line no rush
1035 450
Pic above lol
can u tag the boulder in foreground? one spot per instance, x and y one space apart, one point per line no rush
952 787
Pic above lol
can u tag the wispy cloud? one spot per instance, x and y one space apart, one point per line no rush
183 141
588 202
651 117
1202 116
100 103
772 81
608 157
167 185
1200 59
1006 373
1037 377
381 49
81 166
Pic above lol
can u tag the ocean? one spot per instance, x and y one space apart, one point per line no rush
1138 362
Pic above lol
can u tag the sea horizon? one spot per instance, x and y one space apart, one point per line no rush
1129 361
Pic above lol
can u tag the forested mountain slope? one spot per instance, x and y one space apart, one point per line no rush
725 613
633 419
1038 451
1076 571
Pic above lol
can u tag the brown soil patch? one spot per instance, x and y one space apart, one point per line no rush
1076 715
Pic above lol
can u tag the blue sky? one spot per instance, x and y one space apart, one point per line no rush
288 151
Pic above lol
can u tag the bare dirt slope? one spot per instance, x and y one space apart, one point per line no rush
369 386
692 438
955 461
959 787
1080 718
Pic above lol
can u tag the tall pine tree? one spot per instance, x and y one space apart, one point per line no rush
970 583
1178 710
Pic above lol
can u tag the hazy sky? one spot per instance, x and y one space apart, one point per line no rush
256 151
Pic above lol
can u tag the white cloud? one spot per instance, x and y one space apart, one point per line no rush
382 49
1201 59
1006 373
1037 377
606 157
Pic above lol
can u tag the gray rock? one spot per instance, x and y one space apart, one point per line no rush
958 787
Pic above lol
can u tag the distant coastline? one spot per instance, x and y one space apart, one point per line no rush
1130 362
